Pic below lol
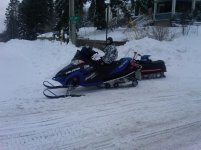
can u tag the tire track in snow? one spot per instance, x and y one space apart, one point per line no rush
77 128
169 130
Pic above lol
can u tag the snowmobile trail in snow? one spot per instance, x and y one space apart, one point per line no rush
120 123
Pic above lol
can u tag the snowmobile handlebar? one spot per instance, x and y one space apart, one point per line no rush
135 55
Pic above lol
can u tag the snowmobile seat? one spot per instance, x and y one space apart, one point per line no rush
159 64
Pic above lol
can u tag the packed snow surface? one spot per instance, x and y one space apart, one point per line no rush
158 114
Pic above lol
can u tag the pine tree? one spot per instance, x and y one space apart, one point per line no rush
100 21
23 28
50 14
97 11
62 14
144 5
92 10
79 7
12 19
35 18
122 4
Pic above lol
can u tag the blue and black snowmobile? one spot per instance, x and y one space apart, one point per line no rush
83 71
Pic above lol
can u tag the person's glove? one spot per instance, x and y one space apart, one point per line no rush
100 61
95 56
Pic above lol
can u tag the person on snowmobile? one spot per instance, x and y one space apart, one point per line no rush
110 51
105 63
87 53
110 55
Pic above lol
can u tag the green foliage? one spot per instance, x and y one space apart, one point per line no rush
143 5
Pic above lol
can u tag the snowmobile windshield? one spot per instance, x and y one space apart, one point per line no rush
77 59
77 55
82 56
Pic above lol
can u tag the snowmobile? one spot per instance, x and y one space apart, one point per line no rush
82 71
151 69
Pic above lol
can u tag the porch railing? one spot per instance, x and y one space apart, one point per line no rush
167 16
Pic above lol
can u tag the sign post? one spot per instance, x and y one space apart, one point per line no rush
72 24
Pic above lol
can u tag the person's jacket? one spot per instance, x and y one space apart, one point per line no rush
111 54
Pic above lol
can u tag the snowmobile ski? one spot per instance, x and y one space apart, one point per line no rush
49 85
50 94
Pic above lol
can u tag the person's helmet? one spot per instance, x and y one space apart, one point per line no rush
87 48
109 40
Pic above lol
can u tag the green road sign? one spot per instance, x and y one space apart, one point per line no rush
75 18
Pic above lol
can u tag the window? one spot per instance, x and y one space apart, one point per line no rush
164 7
183 6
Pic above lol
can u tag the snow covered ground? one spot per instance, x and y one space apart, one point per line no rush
158 114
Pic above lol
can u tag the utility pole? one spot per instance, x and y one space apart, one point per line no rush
72 24
107 16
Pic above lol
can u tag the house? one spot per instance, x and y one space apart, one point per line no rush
165 9
162 11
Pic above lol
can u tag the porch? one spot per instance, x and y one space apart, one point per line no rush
166 9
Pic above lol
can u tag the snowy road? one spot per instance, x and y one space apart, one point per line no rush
157 120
